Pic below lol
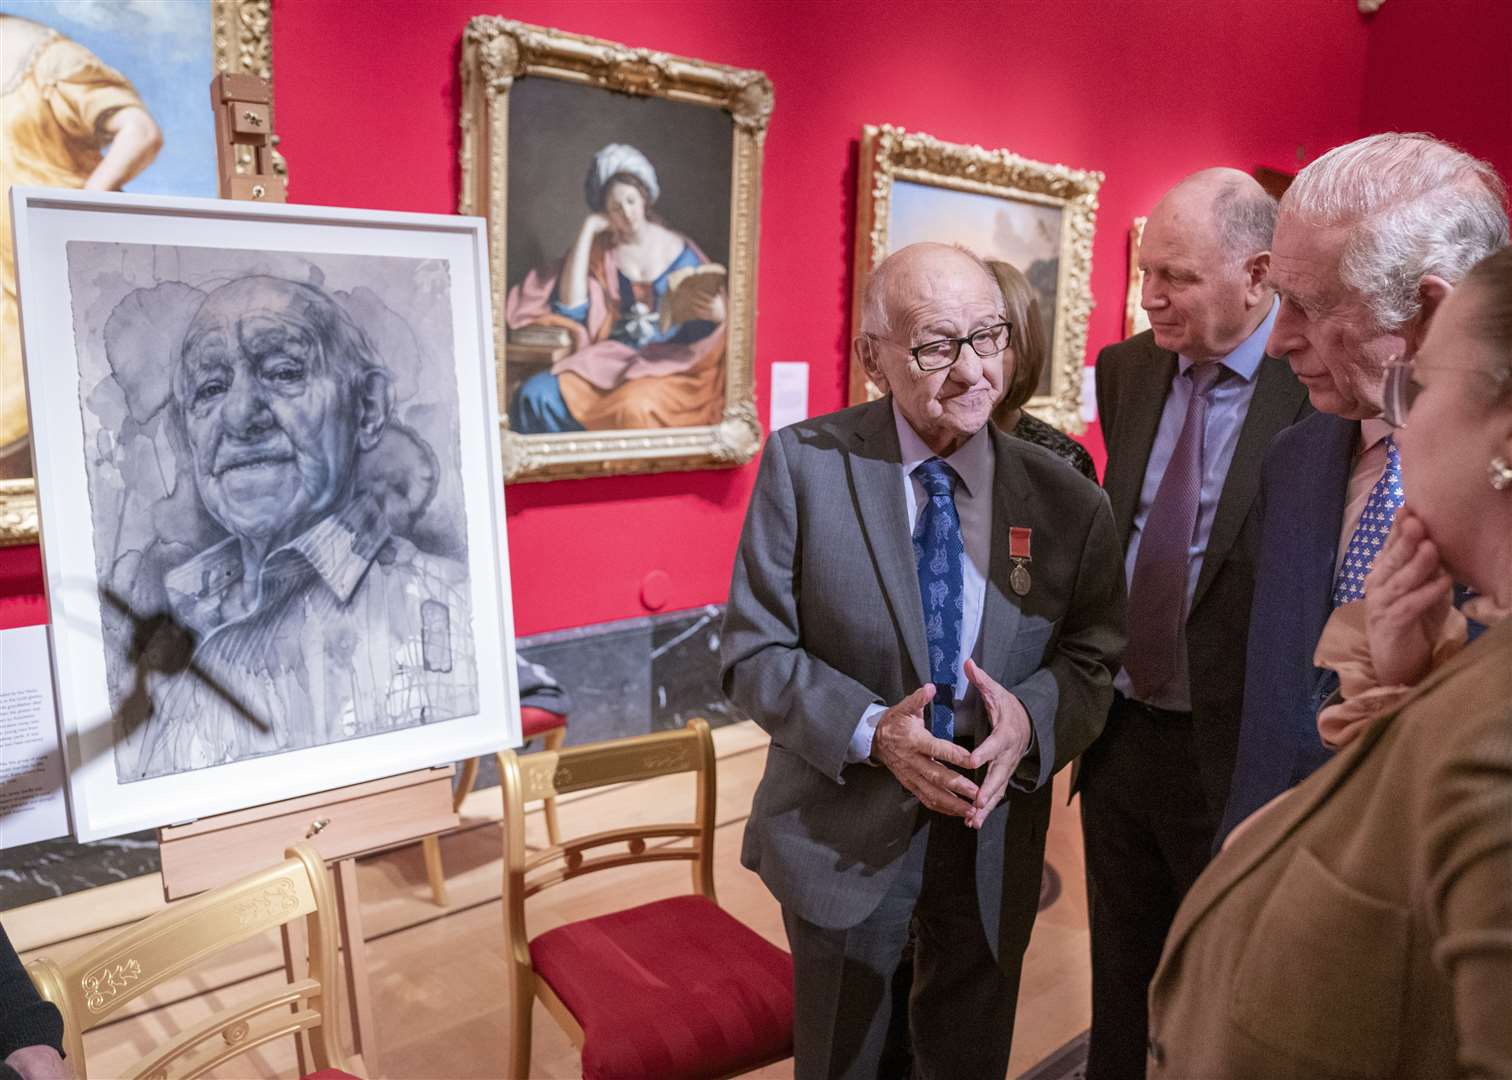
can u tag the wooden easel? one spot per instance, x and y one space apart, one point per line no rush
243 106
342 823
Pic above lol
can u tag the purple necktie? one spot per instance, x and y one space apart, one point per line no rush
1158 590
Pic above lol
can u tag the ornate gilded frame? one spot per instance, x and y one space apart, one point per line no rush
1136 319
242 40
496 52
889 153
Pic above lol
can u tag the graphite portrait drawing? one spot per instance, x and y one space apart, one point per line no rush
275 487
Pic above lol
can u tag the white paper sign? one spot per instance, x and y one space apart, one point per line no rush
32 804
790 382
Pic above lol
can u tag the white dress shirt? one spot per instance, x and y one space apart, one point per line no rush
976 466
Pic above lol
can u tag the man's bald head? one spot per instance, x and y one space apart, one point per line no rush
1227 204
1204 255
900 276
924 295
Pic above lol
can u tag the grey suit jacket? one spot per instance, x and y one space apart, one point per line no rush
824 619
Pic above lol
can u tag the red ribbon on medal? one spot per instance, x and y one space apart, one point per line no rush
1018 542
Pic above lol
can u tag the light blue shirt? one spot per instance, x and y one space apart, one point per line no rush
1228 404
976 465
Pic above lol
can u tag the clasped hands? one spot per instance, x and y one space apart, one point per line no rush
920 761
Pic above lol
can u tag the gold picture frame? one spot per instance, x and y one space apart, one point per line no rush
1136 319
496 54
241 43
890 157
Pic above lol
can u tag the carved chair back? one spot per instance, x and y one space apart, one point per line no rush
92 987
550 773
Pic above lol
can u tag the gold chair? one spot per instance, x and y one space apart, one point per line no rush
552 728
672 988
90 988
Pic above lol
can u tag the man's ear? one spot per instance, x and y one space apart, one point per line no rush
866 351
1256 291
374 401
1432 292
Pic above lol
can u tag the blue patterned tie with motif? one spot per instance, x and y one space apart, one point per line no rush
1370 534
938 550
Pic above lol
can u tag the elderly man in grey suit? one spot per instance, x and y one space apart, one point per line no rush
926 616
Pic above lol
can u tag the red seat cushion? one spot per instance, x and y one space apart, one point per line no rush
672 989
331 1074
534 720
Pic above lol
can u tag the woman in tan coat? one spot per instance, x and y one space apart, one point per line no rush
1361 925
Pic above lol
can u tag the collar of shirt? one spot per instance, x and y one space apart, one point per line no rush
1244 361
1373 432
972 462
339 548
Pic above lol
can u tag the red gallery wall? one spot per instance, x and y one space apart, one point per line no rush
1144 90
1443 66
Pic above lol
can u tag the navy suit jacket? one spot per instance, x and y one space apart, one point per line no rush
1304 484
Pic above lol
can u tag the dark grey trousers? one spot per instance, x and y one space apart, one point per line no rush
1147 830
960 1011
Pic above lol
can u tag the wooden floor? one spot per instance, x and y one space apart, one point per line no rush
437 982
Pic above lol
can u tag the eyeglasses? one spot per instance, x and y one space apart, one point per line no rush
940 354
1402 390
1399 393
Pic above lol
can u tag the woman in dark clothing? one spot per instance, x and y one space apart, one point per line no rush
1029 352
31 1030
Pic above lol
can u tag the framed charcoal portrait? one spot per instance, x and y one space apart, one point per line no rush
622 191
1038 217
271 511
109 96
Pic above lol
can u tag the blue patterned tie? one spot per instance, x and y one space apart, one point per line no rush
938 549
1375 522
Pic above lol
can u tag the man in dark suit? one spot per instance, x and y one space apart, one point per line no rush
919 695
1371 237
1187 409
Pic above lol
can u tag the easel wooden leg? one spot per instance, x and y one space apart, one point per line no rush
435 873
354 963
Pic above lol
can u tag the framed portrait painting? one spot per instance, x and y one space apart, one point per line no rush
622 191
109 96
271 513
1038 217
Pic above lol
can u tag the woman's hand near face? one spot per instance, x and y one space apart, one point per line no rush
1407 597
572 286
593 224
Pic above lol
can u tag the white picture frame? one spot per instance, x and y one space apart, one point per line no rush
243 248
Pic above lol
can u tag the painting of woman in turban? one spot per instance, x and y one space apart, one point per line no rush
643 311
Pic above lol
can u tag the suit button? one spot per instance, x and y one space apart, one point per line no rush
1157 1052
